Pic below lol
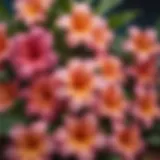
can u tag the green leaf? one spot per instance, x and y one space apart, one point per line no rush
157 26
154 140
88 1
65 5
12 117
7 122
115 158
117 45
57 8
118 20
106 5
107 156
5 15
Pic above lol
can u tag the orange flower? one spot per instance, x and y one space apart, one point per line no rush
110 68
32 11
143 44
127 141
78 24
80 136
145 106
79 81
112 102
8 94
30 142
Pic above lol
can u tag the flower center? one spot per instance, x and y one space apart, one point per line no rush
80 79
31 142
82 135
33 50
145 71
128 139
33 7
81 22
143 42
109 69
146 106
43 95
112 99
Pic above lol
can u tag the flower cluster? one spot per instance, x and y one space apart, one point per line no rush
84 90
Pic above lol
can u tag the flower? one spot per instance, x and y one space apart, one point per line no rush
79 82
126 141
101 35
144 72
142 43
42 97
32 11
110 69
79 136
145 107
4 42
8 95
32 53
111 102
31 142
78 24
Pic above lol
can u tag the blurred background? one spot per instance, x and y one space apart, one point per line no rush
144 13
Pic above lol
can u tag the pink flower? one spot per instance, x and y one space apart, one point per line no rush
110 68
42 97
78 24
145 107
32 52
8 95
126 140
32 11
31 142
112 102
101 35
79 136
4 42
79 82
142 43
